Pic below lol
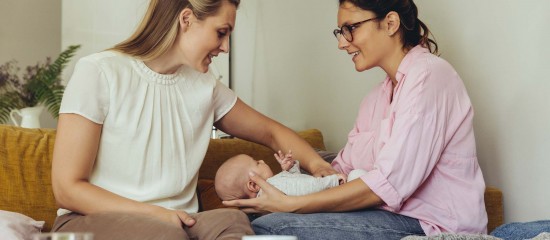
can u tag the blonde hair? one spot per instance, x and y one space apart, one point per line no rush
159 27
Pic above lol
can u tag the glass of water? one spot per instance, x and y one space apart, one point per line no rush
64 236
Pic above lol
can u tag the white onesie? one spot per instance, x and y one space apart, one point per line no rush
295 183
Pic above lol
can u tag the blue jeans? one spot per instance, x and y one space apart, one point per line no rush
367 224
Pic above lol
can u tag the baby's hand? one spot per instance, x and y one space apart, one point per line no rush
342 178
285 160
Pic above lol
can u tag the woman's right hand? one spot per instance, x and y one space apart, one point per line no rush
179 218
271 200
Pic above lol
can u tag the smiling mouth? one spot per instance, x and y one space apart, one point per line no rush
353 54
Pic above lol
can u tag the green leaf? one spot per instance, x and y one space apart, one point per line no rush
40 87
9 101
47 88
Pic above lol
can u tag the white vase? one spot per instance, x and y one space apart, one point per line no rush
30 116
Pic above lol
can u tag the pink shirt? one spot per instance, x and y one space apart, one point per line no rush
419 149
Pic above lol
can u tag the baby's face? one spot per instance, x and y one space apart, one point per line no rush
260 168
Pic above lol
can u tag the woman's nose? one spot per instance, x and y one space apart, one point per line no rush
342 43
225 45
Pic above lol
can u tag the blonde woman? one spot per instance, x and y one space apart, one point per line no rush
134 127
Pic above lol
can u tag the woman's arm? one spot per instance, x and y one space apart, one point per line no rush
347 197
75 151
244 122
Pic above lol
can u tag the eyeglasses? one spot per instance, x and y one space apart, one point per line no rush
347 29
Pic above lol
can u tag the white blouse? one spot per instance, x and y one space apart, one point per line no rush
156 127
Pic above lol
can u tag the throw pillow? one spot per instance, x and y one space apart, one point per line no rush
18 226
326 155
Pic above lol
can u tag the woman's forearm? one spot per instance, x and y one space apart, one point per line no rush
268 132
350 196
86 198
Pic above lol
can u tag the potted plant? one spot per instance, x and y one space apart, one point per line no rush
40 86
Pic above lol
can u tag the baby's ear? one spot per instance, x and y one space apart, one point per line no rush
252 186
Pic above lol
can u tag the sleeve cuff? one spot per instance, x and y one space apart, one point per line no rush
383 189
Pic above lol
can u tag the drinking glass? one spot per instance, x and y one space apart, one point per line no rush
64 236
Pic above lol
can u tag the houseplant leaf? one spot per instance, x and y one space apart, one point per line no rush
47 87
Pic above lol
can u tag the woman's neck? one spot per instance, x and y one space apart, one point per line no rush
391 65
164 64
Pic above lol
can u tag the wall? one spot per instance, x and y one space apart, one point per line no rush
30 32
502 57
288 67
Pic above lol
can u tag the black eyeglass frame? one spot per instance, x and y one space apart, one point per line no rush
348 28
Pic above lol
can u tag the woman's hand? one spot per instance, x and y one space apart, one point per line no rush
271 199
178 218
323 170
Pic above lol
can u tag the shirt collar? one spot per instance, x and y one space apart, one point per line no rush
409 58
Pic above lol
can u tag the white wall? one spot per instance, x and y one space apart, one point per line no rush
288 67
30 32
501 50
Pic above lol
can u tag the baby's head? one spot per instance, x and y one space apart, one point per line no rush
232 179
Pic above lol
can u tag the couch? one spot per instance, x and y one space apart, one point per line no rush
25 172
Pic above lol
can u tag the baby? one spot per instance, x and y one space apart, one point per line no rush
232 180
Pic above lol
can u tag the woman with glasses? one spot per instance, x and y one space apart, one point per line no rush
413 135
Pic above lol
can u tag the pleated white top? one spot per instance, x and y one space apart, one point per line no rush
156 127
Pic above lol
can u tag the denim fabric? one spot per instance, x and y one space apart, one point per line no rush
521 230
367 224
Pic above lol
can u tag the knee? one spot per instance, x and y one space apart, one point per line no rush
232 224
271 224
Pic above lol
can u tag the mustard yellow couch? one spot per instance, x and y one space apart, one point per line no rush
25 172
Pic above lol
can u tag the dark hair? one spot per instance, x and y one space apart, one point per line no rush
413 31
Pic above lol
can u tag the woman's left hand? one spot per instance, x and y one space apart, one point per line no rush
323 171
271 199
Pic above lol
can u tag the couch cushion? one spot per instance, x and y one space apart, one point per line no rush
25 172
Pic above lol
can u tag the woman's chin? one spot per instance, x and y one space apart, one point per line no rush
362 67
203 68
